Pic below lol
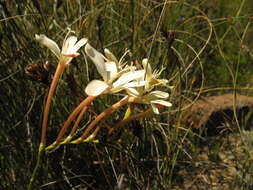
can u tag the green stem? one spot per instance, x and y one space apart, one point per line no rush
35 170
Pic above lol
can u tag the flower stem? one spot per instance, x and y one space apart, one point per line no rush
71 117
80 116
60 68
90 138
103 115
145 114
78 120
35 170
92 111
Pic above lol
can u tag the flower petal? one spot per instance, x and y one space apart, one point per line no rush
135 84
111 69
162 102
68 44
127 77
157 95
96 87
78 45
98 59
133 92
117 89
109 55
148 72
147 67
155 109
44 40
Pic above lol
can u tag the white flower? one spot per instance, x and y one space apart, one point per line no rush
69 48
108 66
142 88
156 97
114 76
97 87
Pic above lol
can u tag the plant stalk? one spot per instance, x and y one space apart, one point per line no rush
71 117
145 114
35 170
59 70
103 115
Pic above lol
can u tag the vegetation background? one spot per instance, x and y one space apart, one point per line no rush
205 48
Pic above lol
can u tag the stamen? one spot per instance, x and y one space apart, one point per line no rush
122 57
68 33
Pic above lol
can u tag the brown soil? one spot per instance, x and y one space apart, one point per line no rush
224 164
214 110
221 162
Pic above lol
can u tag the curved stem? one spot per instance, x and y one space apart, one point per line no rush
80 116
92 111
91 137
71 117
60 68
145 114
103 115
78 121
85 102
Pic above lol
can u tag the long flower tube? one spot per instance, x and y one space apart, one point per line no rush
103 115
145 114
79 118
69 51
93 135
91 138
119 124
73 130
124 121
71 117
60 68
92 111
95 90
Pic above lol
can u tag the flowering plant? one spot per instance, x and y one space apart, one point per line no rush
137 85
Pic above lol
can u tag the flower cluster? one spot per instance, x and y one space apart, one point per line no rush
138 85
